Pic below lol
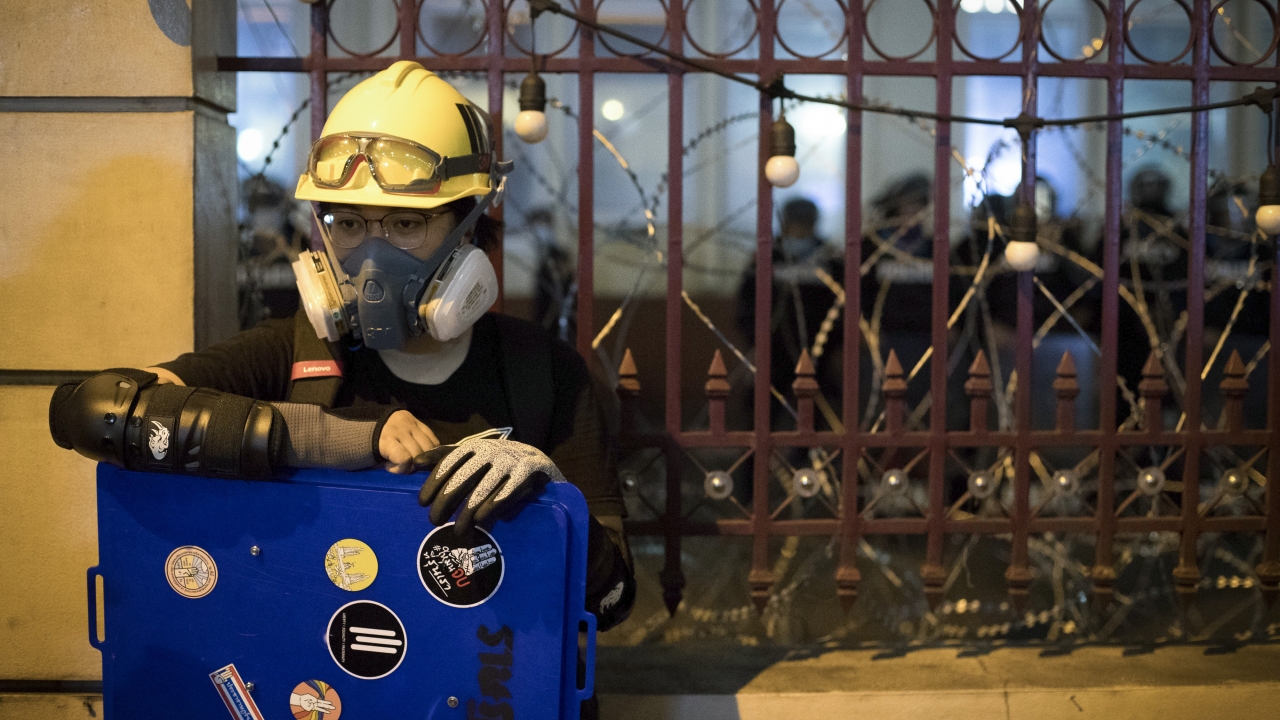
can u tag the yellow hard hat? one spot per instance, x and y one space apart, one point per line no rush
402 138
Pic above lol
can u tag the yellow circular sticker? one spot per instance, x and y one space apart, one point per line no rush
351 564
191 571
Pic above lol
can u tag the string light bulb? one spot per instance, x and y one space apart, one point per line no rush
531 123
1021 252
782 170
1268 215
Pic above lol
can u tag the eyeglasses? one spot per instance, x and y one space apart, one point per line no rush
396 164
405 229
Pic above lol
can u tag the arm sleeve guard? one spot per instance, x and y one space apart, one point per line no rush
318 438
126 418
611 584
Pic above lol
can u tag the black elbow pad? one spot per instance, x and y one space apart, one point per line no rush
125 417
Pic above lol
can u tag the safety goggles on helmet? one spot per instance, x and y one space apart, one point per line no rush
396 164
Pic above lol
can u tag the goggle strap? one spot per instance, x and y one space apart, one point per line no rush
465 165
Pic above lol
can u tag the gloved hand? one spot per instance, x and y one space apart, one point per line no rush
493 478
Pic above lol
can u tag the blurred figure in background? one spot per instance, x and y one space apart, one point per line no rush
897 280
1153 257
1228 249
1060 277
801 301
1230 284
274 229
899 214
556 289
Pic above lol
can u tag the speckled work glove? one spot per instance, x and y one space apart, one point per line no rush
489 478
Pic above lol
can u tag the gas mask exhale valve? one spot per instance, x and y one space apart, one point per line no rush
379 272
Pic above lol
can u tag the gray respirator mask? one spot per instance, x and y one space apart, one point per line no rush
379 272
383 296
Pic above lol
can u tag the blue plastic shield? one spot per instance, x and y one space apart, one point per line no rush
201 574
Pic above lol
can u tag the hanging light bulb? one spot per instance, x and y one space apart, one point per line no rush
1268 215
1021 252
531 123
782 170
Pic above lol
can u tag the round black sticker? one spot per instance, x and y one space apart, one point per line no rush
460 569
366 639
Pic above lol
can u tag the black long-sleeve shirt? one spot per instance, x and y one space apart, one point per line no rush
258 363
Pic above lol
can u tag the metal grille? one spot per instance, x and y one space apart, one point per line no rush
1136 487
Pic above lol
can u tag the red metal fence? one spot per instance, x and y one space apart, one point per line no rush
921 452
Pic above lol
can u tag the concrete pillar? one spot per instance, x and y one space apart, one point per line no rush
117 248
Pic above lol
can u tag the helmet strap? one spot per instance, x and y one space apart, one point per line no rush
421 278
338 270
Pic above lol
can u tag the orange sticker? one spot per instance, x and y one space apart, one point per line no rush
315 700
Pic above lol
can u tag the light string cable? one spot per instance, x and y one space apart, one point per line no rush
1024 122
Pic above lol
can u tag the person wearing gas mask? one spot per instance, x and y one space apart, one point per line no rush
393 360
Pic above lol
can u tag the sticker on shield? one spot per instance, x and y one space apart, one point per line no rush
460 569
366 639
191 571
351 564
315 700
234 693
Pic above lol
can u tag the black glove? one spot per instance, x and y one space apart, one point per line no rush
495 478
